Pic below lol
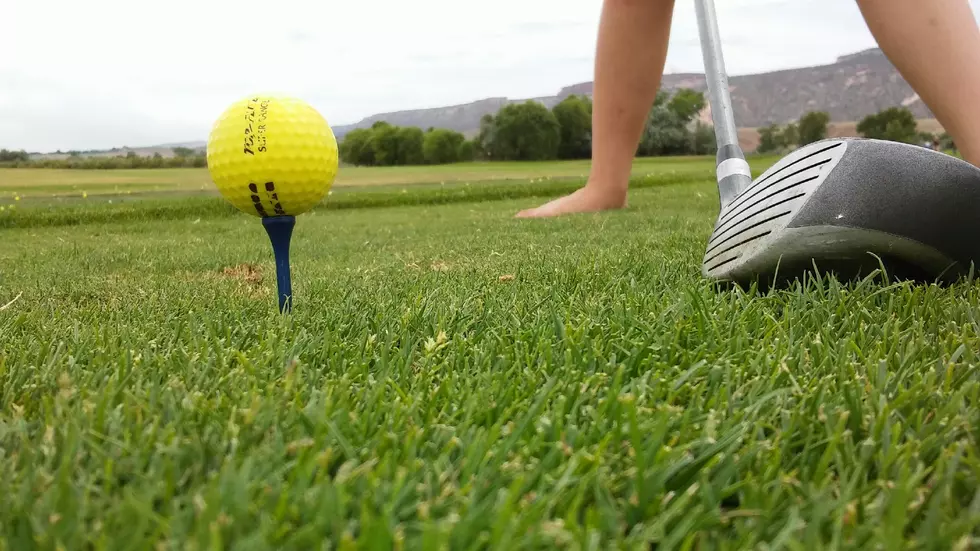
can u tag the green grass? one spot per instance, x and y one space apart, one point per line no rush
33 185
454 378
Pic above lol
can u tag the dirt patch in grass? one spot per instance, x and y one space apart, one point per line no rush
246 273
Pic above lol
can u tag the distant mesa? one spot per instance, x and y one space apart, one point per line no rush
853 87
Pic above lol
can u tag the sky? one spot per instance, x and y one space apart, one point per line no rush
103 73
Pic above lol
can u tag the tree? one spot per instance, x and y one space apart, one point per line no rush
686 104
525 132
926 138
574 116
183 151
895 124
774 137
410 146
487 136
900 131
467 151
813 127
8 156
672 126
665 133
442 146
385 144
703 140
946 142
357 148
790 136
770 139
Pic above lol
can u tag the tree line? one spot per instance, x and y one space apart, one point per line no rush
183 158
897 124
529 131
384 144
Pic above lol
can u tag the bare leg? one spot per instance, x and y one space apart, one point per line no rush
630 57
936 46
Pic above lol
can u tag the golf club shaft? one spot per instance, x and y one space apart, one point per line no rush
732 170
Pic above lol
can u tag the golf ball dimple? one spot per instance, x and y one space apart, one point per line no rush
272 156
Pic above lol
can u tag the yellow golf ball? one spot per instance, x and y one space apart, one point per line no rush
272 156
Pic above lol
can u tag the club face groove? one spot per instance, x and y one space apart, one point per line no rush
726 228
754 223
757 186
742 233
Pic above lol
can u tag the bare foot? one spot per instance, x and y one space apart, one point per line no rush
587 199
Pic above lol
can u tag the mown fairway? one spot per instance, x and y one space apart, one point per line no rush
454 378
47 185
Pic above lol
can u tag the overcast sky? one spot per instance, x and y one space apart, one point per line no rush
105 73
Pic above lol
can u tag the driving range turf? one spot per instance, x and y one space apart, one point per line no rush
451 377
46 186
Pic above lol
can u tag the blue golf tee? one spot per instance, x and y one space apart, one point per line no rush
280 230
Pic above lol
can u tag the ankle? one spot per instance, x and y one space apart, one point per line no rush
601 193
607 186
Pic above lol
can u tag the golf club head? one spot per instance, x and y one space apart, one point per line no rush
849 206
